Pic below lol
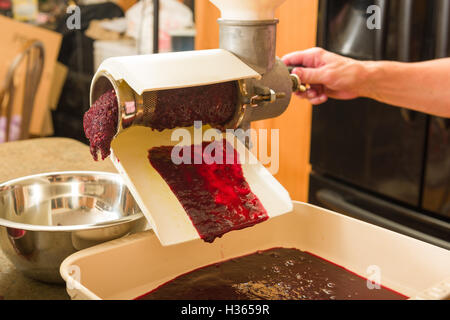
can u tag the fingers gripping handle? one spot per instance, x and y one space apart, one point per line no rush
297 84
291 68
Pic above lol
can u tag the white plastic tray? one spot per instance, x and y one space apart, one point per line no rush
129 267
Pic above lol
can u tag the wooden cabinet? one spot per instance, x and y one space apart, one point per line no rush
296 31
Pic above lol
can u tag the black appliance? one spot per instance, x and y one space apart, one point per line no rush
382 164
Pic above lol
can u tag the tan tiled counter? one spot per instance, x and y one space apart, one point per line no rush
22 158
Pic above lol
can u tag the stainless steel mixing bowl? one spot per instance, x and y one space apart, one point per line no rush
44 218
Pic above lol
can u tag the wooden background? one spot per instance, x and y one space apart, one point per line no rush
296 31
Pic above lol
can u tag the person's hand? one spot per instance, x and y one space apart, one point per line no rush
329 74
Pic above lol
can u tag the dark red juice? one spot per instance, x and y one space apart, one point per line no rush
216 196
275 274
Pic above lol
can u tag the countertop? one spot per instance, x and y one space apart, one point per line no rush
22 158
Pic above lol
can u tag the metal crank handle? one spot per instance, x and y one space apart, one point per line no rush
297 84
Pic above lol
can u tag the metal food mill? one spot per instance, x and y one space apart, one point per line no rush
246 57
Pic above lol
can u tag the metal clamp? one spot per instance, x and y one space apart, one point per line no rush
271 97
297 85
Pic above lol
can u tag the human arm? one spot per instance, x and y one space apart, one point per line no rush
421 86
